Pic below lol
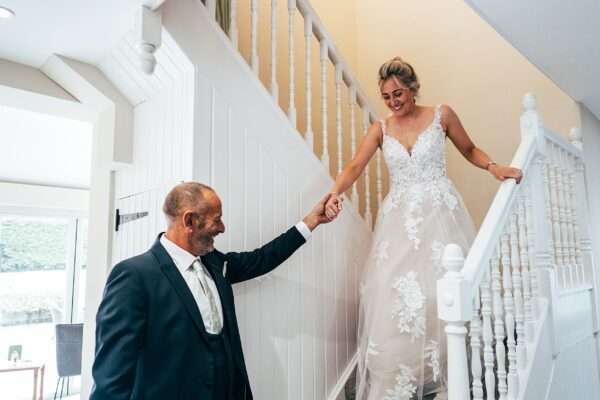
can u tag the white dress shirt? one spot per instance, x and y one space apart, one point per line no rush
201 281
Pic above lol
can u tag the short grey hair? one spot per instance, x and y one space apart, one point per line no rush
185 196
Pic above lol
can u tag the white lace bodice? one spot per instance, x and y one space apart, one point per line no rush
419 174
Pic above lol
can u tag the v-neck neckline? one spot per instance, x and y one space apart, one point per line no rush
412 148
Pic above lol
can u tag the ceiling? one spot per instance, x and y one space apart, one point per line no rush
562 38
559 37
81 29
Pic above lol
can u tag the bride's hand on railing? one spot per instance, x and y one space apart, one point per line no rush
502 172
333 205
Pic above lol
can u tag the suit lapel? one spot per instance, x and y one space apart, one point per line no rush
181 288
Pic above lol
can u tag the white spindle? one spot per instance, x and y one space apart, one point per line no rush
291 62
515 261
233 29
499 331
368 215
475 335
558 251
274 85
338 114
211 5
379 181
488 338
571 221
308 31
352 106
562 207
323 59
525 270
509 307
254 35
535 291
576 249
582 240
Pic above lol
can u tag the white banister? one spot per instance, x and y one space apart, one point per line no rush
308 33
338 115
509 318
352 106
368 215
254 35
274 84
323 59
233 28
291 63
211 5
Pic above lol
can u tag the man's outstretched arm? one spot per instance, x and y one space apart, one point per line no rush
247 265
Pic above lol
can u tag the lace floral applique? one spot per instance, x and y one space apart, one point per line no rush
437 251
432 352
417 176
409 305
405 387
381 253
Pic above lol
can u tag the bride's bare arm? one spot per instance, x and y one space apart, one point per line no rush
368 146
456 132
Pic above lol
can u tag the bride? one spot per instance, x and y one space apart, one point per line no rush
401 344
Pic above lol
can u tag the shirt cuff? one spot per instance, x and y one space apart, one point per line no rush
303 229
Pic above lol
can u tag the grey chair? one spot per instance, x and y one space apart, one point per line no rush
68 353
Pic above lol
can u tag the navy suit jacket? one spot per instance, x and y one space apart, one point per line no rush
150 338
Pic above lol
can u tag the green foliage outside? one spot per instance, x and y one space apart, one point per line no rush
32 245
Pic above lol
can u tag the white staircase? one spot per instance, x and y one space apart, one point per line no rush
520 308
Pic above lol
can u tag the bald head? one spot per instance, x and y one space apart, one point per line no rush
184 197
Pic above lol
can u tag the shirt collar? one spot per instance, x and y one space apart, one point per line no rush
182 258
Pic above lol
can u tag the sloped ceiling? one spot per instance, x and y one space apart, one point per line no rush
84 30
562 38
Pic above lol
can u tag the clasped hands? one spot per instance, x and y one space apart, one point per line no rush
324 211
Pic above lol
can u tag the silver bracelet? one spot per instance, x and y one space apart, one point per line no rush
487 167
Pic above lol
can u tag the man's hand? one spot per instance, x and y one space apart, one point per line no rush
317 215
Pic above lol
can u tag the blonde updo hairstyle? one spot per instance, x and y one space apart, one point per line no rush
403 71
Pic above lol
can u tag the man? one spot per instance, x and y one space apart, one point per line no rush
166 326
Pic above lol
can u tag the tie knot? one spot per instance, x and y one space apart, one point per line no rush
196 265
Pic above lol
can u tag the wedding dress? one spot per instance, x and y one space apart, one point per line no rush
401 342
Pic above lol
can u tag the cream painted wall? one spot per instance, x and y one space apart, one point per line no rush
460 60
463 62
23 77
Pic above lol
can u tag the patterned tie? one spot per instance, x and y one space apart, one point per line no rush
214 317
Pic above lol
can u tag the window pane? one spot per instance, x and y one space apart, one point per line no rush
34 252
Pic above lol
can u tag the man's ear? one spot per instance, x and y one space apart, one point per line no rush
188 219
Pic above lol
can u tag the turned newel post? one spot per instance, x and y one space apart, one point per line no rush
454 306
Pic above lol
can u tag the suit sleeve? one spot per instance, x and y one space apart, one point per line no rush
120 326
248 265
